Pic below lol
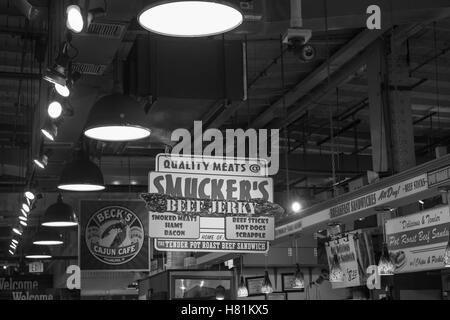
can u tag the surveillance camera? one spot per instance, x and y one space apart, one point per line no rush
297 41
306 52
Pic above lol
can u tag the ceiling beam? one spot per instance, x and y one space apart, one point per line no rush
344 56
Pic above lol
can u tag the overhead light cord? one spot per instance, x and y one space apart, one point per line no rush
333 164
285 126
436 67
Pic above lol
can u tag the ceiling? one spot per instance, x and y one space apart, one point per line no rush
334 119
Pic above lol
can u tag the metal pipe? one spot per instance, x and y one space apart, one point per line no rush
296 14
19 75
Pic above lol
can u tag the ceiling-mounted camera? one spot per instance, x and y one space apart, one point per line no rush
297 41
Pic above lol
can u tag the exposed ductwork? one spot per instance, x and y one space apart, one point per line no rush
28 10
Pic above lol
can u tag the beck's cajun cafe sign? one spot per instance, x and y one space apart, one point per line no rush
194 210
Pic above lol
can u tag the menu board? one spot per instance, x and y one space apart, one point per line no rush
181 224
417 242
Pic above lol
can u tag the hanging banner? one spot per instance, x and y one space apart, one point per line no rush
212 165
346 251
114 235
417 242
183 224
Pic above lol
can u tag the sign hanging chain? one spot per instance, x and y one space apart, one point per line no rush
285 126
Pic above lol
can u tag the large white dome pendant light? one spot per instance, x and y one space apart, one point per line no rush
190 18
117 117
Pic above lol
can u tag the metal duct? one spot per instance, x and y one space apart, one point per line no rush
27 9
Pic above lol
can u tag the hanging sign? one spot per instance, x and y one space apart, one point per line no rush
213 187
211 204
417 242
439 177
381 197
113 235
346 251
212 165
182 224
36 267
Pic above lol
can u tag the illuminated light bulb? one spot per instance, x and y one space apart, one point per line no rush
18 231
54 110
63 91
75 21
29 195
296 207
25 207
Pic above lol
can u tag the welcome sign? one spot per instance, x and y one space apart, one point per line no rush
27 288
210 212
113 235
417 242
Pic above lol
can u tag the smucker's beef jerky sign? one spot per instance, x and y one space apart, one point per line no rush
211 186
213 213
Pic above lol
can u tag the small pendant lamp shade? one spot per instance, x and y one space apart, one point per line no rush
38 252
81 175
385 265
242 289
447 255
266 285
299 279
220 293
59 214
47 237
117 117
